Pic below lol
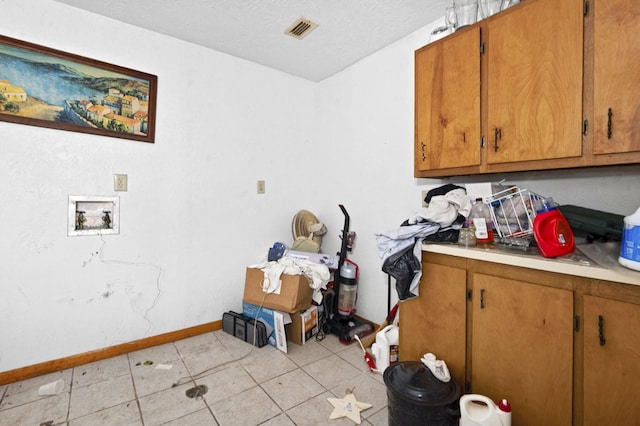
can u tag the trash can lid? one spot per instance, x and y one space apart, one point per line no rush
414 381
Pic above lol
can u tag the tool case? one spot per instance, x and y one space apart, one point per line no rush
243 328
595 223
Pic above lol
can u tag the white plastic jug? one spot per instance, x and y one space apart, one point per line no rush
630 245
479 410
385 349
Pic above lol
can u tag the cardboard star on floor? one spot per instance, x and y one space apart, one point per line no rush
347 407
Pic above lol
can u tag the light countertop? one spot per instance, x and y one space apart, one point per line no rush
597 261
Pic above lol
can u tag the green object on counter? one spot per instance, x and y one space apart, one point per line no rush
596 223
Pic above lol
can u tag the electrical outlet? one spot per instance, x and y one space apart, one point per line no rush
261 187
424 195
119 182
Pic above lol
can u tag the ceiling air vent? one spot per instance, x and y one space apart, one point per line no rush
300 28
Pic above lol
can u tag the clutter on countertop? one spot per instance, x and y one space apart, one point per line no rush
522 222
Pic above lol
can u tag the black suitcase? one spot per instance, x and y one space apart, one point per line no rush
242 327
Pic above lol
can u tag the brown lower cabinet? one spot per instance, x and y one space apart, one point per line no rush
564 350
611 362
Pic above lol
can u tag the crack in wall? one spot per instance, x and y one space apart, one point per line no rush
109 292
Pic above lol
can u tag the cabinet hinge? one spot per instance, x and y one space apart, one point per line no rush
585 8
576 323
469 295
585 127
482 48
482 142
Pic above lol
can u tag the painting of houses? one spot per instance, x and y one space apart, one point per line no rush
44 87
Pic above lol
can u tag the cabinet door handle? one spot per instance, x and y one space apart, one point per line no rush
601 330
482 305
497 135
609 116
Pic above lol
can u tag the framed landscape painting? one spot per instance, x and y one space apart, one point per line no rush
44 87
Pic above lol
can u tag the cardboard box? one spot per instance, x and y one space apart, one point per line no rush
303 326
274 320
295 292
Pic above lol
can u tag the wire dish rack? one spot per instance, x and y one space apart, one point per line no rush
513 211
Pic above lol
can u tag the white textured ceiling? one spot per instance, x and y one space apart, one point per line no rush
348 30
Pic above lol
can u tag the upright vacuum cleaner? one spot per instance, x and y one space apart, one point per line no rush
340 306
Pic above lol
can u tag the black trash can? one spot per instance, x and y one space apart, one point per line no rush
417 397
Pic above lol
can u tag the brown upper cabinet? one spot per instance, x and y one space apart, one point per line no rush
447 104
616 72
519 90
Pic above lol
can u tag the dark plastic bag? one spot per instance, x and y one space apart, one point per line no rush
403 266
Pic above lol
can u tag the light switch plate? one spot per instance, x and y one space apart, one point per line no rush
119 182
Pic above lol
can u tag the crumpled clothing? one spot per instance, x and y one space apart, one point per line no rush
317 274
400 251
399 239
444 209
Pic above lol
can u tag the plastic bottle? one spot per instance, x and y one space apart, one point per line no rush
630 245
385 349
504 412
480 410
482 222
467 235
552 231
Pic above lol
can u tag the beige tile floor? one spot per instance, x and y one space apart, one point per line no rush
246 386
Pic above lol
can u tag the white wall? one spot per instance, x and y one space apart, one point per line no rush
191 220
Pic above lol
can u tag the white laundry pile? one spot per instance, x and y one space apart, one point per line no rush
317 274
444 209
